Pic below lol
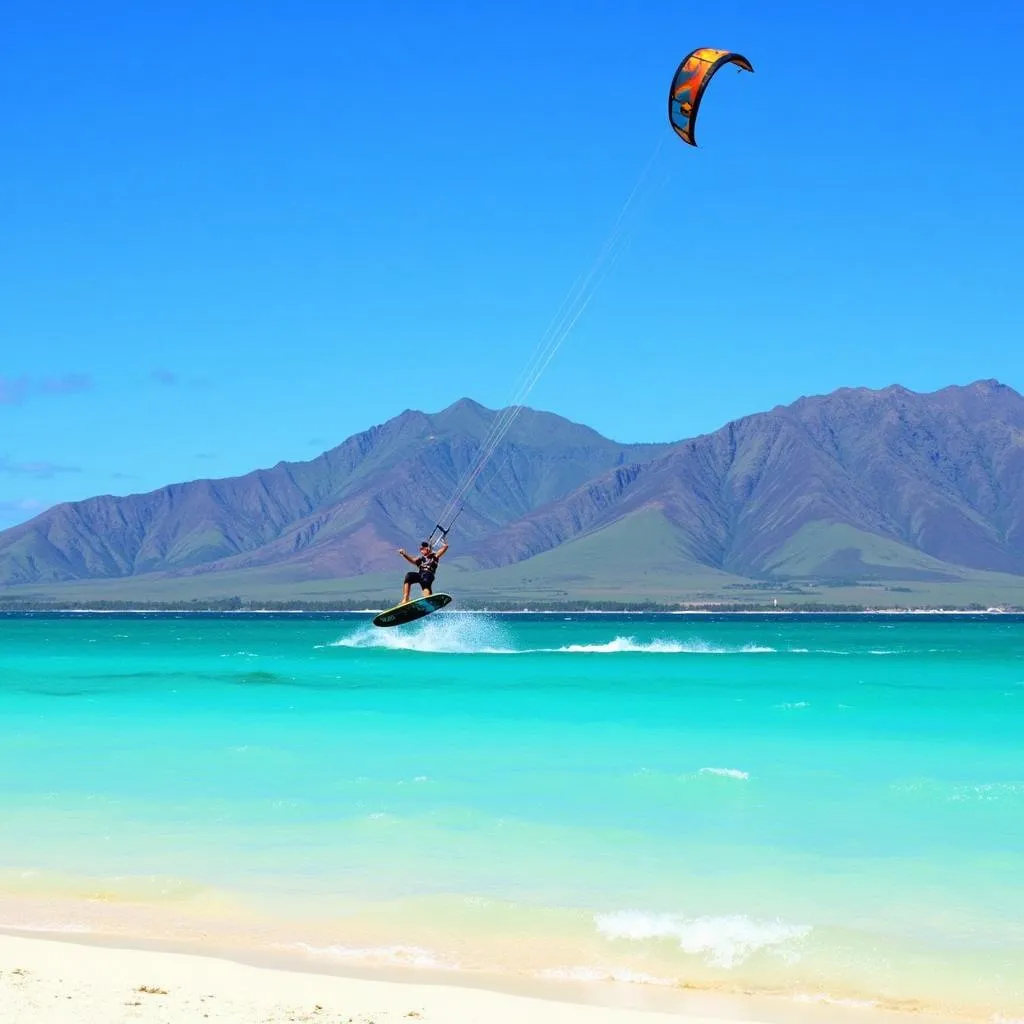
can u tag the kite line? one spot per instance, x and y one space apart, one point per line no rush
574 304
685 94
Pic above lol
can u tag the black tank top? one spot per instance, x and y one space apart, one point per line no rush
427 563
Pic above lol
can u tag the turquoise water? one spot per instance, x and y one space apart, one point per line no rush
813 808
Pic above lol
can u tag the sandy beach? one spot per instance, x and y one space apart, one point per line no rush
50 982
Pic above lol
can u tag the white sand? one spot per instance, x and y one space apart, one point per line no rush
48 982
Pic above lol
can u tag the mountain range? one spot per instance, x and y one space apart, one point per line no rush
852 489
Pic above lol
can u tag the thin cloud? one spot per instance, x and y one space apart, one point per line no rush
66 384
40 470
171 379
13 390
22 505
205 456
19 510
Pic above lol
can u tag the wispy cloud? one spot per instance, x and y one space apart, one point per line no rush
171 379
317 442
13 390
22 505
206 456
66 384
13 512
40 470
123 476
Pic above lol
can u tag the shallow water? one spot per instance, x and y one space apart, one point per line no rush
825 809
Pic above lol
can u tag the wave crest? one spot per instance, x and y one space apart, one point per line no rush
729 773
630 645
724 941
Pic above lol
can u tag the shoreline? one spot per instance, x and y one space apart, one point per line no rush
46 980
232 933
45 971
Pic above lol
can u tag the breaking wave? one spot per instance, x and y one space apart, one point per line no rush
723 941
727 773
629 645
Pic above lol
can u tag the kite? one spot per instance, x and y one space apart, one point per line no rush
688 85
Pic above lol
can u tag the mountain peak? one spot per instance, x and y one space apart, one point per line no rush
991 386
466 405
857 483
978 389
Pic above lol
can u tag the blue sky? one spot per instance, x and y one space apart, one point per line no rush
238 233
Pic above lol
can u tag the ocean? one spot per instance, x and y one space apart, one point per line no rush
818 810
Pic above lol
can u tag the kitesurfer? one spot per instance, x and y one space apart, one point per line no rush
426 568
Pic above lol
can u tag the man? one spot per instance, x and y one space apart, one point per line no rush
426 567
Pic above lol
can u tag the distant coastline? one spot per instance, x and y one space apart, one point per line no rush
203 609
760 510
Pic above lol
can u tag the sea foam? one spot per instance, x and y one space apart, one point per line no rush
729 773
622 975
399 956
629 645
724 941
823 998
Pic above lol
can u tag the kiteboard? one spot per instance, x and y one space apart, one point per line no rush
402 613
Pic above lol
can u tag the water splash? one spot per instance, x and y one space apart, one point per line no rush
461 633
443 633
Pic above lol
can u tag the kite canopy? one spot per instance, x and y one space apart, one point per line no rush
688 85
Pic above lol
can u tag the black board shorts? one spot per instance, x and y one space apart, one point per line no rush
424 579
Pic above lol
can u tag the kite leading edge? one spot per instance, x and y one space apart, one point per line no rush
688 85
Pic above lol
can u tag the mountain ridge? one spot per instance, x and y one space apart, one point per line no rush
358 487
886 484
